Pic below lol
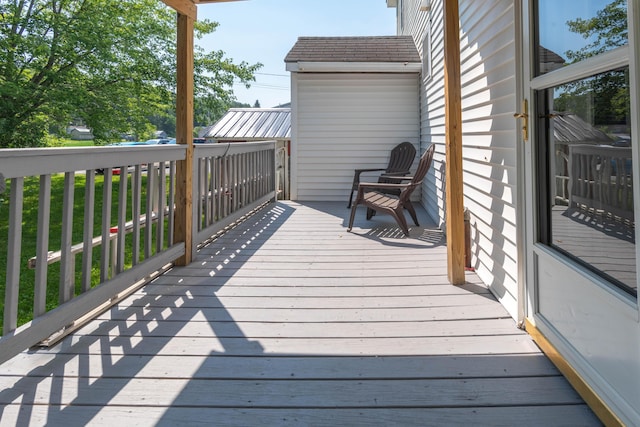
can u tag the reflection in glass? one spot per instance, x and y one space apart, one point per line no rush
590 215
570 31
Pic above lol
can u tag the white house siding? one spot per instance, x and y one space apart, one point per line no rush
344 121
488 73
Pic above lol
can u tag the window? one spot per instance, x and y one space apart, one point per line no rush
426 52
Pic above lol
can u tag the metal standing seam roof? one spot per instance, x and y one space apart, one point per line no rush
397 49
253 124
570 128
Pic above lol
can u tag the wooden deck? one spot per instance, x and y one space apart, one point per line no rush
290 320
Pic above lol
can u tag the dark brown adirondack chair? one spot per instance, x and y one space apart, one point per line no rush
375 196
400 162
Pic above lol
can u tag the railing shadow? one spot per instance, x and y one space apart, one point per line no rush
228 379
135 330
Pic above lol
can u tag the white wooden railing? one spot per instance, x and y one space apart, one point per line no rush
131 246
600 180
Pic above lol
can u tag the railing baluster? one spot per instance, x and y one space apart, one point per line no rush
42 246
162 201
211 186
67 269
87 243
105 249
136 194
172 199
148 231
122 217
203 211
14 247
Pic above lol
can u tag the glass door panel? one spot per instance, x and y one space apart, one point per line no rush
586 198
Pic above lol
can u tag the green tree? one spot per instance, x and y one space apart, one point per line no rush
112 63
608 92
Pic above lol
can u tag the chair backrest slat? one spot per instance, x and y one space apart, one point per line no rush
401 158
423 167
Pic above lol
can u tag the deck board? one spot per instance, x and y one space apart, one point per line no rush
289 320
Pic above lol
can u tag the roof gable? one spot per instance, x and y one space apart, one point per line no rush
354 49
354 54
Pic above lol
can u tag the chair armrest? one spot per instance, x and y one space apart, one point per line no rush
369 170
386 185
402 173
356 175
396 178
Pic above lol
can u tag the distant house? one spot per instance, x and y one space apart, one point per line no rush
80 133
160 134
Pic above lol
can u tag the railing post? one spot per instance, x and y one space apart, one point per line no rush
184 136
453 142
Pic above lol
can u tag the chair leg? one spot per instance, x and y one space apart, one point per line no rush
400 219
350 199
370 213
412 212
353 215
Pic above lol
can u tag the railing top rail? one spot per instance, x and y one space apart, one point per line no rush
230 148
15 163
599 149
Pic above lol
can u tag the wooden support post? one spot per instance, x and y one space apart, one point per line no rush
184 135
453 142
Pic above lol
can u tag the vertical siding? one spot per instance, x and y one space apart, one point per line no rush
346 121
488 73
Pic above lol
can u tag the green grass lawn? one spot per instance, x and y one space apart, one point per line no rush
29 235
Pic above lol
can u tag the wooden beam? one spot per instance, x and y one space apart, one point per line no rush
183 7
453 142
184 135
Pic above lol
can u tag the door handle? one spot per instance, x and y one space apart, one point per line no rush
525 120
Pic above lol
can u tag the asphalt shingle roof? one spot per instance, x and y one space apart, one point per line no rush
354 49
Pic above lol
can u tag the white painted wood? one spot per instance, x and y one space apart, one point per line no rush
587 325
14 251
105 246
43 161
42 246
136 201
121 220
346 121
87 246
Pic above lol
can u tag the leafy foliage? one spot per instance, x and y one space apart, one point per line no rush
112 63
604 98
609 27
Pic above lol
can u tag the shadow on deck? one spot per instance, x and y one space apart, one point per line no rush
289 320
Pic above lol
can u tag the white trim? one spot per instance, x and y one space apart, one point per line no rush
634 92
293 157
354 67
522 62
427 57
615 58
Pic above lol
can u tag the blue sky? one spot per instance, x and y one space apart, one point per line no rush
556 13
265 30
